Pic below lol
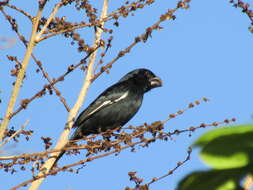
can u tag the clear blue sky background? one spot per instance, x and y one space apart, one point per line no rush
205 52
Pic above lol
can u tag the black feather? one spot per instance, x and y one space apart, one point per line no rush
116 105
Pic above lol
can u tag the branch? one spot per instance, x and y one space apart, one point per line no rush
50 81
53 13
15 134
21 11
21 73
188 157
73 112
138 181
245 9
170 116
129 145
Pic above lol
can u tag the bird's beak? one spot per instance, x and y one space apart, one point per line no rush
156 82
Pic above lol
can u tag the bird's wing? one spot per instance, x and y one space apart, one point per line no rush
110 96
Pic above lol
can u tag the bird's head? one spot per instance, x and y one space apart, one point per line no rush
143 78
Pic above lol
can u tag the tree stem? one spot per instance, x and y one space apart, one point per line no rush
45 168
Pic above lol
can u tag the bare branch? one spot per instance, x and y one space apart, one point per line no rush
15 134
138 181
53 13
21 11
129 145
73 112
170 172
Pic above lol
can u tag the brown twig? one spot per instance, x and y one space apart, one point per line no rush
69 29
21 11
45 75
138 181
170 172
81 162
245 7
15 134
53 13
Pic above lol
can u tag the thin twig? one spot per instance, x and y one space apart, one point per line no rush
70 29
57 92
15 134
53 13
188 157
21 11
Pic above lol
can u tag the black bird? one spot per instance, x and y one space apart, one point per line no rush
116 105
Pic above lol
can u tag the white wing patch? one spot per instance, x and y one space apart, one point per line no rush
108 102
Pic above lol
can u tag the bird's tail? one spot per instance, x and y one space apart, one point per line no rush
73 137
59 157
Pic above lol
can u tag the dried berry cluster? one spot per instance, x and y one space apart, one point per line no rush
245 9
18 65
26 133
107 143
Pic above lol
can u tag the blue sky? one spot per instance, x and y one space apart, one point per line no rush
205 52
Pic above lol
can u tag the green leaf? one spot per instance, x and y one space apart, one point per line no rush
227 147
224 131
213 180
